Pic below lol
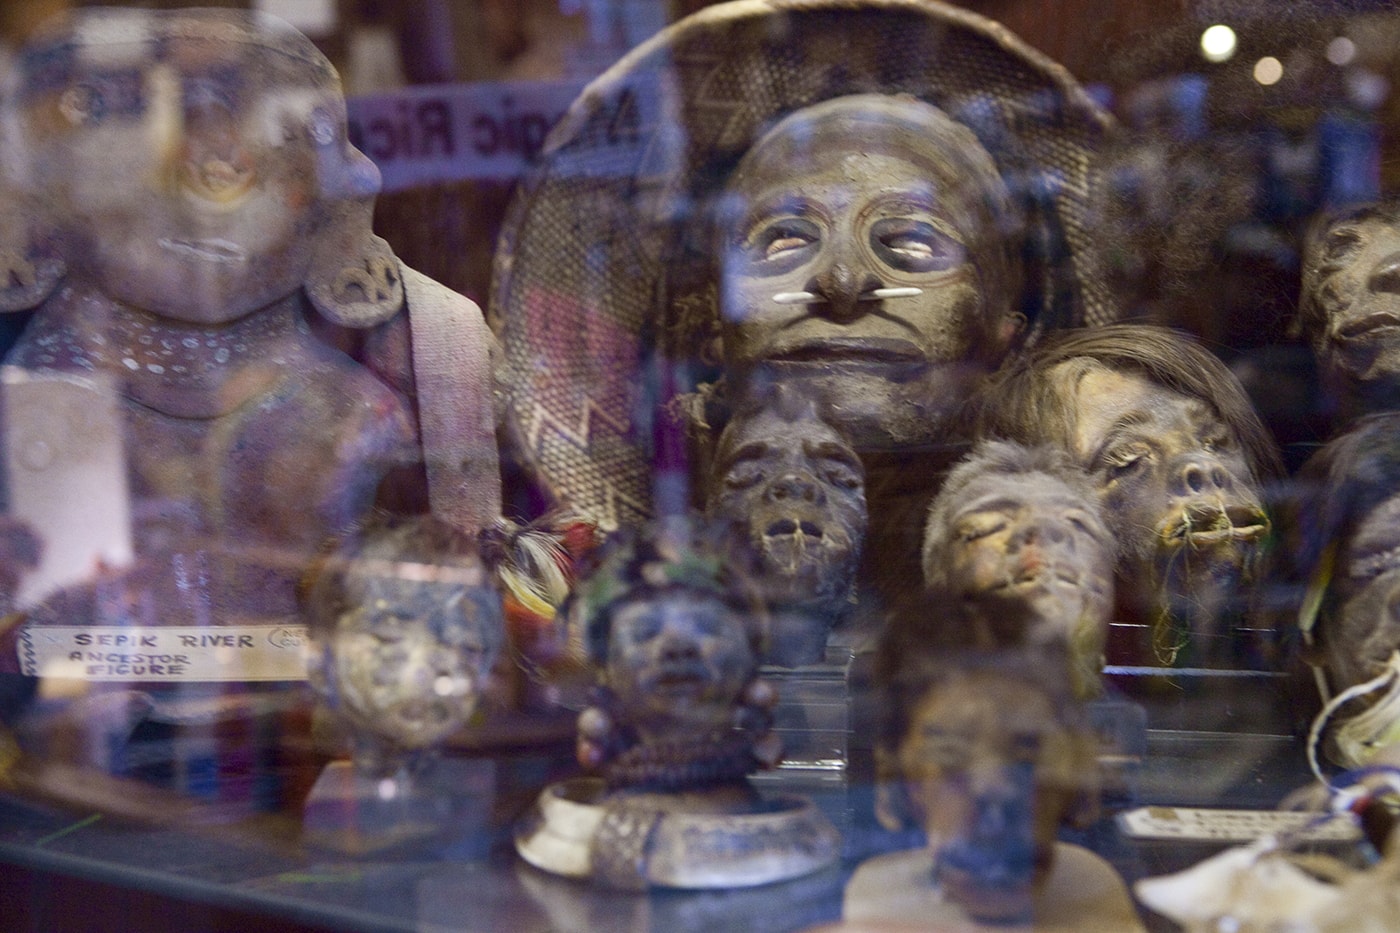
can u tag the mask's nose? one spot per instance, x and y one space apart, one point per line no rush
842 282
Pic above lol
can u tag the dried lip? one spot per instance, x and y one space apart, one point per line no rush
885 350
791 527
1204 526
1369 325
1038 578
212 250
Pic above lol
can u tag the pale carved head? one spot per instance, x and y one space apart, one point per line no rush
870 250
192 164
405 625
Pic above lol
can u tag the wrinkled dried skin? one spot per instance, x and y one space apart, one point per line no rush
1029 548
1175 488
992 773
1352 282
678 666
1362 627
791 491
808 213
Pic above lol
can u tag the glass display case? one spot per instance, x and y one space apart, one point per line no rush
773 465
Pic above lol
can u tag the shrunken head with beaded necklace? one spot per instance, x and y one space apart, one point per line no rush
676 636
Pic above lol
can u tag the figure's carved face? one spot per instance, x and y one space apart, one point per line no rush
677 663
186 181
992 774
411 658
1029 540
794 491
1363 625
1353 275
1175 484
841 223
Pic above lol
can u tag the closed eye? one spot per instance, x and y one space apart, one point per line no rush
915 245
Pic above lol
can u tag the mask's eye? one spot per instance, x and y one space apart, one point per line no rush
785 237
82 105
915 245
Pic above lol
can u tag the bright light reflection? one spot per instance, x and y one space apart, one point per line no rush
1341 50
1268 70
1218 43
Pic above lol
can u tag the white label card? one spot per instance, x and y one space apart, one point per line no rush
176 653
1209 825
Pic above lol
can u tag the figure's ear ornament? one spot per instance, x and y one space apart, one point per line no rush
355 279
28 272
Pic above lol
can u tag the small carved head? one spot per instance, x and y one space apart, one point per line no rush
405 625
676 634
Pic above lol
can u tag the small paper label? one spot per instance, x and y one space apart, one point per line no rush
1229 825
177 653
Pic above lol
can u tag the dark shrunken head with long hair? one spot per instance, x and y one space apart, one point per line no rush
1173 445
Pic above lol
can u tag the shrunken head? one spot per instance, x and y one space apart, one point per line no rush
1349 307
1015 535
989 759
1172 445
790 493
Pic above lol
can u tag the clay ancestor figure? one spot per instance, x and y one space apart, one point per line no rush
1348 537
989 755
182 205
1349 307
1177 454
791 493
682 719
1016 542
405 625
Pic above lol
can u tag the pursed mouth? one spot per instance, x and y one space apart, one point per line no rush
879 350
1369 325
1204 526
1036 578
685 676
211 250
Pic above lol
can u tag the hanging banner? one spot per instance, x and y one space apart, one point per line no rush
442 133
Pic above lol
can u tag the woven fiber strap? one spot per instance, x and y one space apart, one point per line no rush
456 414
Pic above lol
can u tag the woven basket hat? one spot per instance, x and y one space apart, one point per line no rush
604 287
